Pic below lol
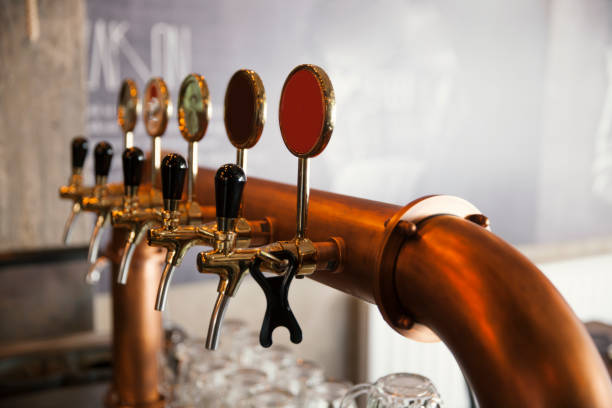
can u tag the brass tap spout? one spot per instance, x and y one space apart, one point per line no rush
231 265
100 202
137 220
75 190
177 240
173 234
226 260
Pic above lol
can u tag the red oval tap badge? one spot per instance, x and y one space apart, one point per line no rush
307 111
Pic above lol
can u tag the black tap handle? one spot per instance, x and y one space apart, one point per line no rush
133 161
173 170
79 152
103 155
229 184
278 311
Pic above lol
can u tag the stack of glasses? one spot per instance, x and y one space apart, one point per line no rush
243 374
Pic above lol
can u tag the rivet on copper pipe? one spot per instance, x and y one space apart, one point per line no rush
479 219
407 228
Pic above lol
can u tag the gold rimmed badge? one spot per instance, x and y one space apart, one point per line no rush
245 109
157 107
194 108
128 109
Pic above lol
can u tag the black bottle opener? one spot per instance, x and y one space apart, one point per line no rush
278 311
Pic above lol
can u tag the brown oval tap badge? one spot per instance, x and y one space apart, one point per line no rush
128 106
245 109
157 107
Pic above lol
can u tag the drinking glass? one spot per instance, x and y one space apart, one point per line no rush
299 375
239 384
401 390
208 379
327 394
270 398
234 336
270 360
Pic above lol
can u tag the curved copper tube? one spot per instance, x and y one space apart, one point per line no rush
516 339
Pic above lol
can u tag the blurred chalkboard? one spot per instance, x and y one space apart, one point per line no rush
502 103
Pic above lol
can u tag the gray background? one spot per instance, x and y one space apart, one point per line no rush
501 103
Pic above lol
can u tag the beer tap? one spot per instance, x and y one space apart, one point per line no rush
134 216
193 114
75 190
244 121
174 235
128 107
140 211
101 202
306 118
180 230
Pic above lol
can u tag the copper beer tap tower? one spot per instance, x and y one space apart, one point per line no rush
433 267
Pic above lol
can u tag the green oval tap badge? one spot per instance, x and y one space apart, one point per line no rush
194 107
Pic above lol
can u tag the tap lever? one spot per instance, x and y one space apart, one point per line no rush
276 290
173 170
74 190
103 155
79 152
133 161
229 184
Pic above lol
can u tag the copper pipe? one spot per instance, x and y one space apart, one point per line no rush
361 223
330 255
137 327
516 339
513 334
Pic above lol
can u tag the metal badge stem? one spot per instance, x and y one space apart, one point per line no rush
155 160
128 140
192 174
241 159
303 192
